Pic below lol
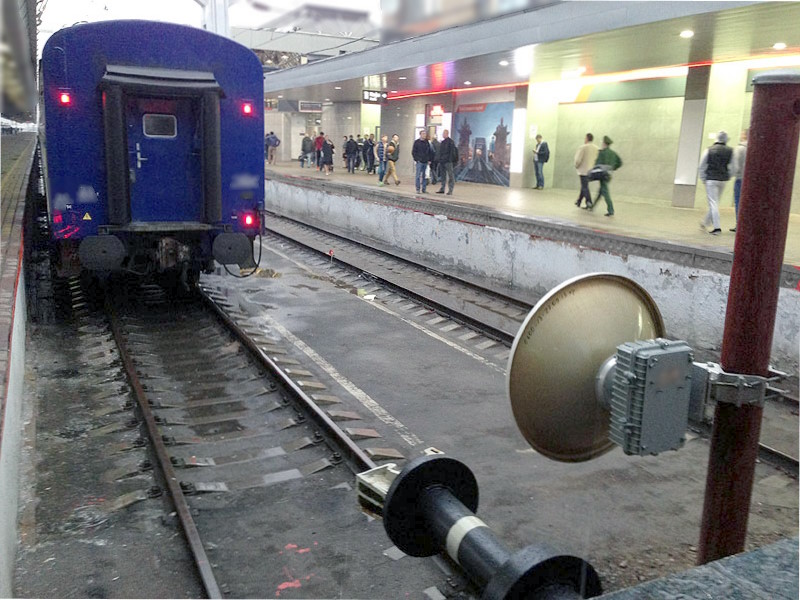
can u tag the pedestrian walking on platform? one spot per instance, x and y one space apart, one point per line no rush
318 141
382 155
393 155
272 142
421 152
447 158
714 171
369 153
739 156
609 161
541 154
307 148
326 155
351 149
434 165
585 158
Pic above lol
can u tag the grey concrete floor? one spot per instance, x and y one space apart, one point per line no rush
634 518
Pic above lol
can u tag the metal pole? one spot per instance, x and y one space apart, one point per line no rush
752 302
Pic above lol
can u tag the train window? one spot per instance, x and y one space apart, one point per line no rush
163 126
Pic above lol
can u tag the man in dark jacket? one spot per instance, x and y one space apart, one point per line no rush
714 172
421 151
446 158
351 149
541 154
369 153
609 161
307 148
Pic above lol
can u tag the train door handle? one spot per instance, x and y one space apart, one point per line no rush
139 158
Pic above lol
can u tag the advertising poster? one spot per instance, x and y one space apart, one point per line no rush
482 133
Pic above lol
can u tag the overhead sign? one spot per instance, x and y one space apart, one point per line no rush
309 107
374 97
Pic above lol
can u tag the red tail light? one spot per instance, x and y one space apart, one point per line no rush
249 220
58 218
64 98
247 108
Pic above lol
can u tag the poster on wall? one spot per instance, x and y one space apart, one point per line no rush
482 133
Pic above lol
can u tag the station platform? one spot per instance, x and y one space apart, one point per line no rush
634 217
17 159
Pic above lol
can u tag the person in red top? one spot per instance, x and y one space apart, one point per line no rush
318 141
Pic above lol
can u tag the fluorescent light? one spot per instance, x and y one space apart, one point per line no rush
402 78
779 46
503 63
687 33
279 96
327 99
467 83
338 87
523 60
393 92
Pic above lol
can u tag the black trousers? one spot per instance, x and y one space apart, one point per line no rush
584 193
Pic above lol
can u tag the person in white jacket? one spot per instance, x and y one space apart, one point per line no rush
714 171
585 158
737 172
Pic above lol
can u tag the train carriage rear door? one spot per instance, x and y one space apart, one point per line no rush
164 159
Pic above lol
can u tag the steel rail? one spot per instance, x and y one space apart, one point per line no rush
767 453
496 333
173 484
356 457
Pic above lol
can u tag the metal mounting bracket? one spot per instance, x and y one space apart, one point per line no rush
735 388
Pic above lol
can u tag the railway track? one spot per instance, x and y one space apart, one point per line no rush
492 317
234 421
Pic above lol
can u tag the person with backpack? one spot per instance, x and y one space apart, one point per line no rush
609 161
307 148
714 172
392 155
447 158
541 154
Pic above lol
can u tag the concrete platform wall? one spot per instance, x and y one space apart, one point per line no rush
10 440
691 300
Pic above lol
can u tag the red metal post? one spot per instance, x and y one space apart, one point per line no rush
752 303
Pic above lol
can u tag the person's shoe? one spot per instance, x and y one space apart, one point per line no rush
397 182
440 191
609 214
715 231
380 184
418 191
589 206
703 226
450 193
578 204
424 191
732 229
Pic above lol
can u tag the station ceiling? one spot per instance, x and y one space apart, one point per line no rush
732 34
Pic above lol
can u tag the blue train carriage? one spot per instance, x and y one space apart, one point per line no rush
153 147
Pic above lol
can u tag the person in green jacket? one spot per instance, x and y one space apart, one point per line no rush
611 161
